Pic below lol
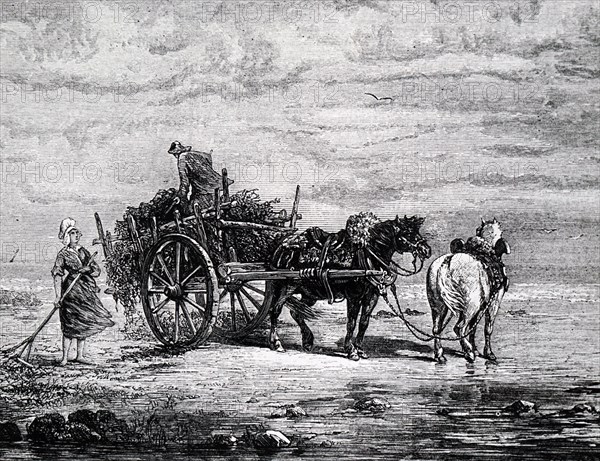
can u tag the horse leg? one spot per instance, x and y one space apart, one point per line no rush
461 330
308 339
490 318
439 310
471 308
472 337
365 317
438 315
276 308
353 307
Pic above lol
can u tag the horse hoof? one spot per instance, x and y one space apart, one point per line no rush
308 347
362 354
470 357
277 346
441 359
491 357
353 356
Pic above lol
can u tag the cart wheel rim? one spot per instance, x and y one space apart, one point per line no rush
179 289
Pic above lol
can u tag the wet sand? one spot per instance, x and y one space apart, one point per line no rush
546 340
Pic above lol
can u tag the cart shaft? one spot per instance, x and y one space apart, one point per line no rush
285 274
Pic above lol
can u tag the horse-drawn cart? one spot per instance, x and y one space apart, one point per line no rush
190 272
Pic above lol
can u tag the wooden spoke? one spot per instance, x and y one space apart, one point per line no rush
165 268
161 328
176 326
195 290
193 304
252 300
222 295
233 319
188 318
155 290
159 278
177 261
160 305
243 306
191 274
253 288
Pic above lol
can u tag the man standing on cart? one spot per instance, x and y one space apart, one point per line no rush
197 178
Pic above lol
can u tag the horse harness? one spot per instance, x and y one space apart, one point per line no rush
330 242
327 242
320 273
489 259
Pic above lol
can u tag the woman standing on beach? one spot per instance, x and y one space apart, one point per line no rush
81 312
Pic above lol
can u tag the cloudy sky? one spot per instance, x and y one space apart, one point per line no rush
493 111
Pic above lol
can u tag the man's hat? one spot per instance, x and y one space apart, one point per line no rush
177 148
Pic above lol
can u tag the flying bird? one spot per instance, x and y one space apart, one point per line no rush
379 99
576 237
548 231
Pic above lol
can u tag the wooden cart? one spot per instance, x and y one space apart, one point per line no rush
183 288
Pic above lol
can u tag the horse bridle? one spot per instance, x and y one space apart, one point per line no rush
395 268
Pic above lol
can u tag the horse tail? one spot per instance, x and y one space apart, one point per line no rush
453 294
302 309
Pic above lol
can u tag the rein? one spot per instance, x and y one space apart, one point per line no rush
426 337
392 265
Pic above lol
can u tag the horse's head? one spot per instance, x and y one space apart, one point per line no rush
490 231
408 238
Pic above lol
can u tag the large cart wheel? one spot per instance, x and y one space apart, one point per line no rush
244 306
179 291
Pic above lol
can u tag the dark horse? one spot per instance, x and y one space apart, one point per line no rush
382 240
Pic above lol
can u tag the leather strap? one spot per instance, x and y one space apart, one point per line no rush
323 275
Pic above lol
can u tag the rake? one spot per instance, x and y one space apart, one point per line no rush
20 352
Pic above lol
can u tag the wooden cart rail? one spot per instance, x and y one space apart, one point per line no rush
206 213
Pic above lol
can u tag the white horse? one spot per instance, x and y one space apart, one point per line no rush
459 284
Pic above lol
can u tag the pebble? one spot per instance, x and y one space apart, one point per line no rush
271 439
372 405
519 407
